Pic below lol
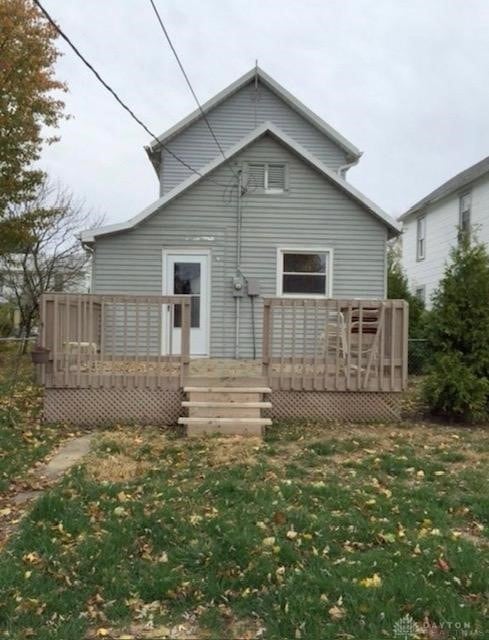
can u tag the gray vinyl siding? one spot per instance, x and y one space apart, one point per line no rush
231 121
313 213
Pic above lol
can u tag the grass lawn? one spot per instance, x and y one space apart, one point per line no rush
23 440
320 532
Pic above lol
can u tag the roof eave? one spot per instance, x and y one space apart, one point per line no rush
267 127
350 149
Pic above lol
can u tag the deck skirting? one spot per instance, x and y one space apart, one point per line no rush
355 406
99 406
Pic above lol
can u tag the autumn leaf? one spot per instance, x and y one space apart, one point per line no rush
336 613
372 582
442 564
279 517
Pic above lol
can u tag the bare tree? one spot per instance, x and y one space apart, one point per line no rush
49 256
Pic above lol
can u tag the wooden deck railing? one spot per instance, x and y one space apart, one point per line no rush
112 340
335 345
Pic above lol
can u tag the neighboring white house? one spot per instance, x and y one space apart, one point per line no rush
431 227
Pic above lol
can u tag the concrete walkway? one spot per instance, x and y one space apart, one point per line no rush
43 477
68 455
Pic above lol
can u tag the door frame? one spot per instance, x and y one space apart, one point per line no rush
165 333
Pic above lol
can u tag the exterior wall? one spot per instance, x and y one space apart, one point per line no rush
442 219
313 213
231 121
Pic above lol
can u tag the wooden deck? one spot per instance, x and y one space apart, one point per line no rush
104 341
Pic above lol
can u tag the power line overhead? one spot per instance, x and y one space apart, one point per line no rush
187 80
114 94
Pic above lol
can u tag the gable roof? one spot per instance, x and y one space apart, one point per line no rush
456 183
89 236
277 88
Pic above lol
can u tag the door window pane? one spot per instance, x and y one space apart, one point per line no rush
186 278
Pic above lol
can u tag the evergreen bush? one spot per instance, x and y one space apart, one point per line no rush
457 386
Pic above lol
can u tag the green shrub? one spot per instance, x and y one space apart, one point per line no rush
454 391
457 385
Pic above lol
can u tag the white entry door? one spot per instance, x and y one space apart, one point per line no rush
187 273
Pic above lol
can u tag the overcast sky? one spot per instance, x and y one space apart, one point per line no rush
405 81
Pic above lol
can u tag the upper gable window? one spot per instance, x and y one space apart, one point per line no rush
465 206
270 177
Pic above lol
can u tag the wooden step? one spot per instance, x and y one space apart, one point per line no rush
226 381
227 390
228 396
225 426
231 404
262 421
225 409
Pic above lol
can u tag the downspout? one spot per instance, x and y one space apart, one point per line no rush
238 263
89 249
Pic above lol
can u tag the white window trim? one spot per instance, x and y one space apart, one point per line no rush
460 211
421 219
329 271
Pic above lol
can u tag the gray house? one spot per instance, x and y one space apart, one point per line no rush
270 214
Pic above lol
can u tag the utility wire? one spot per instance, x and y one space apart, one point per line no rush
110 90
187 80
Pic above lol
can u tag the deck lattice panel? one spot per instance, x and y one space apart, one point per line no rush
111 406
330 405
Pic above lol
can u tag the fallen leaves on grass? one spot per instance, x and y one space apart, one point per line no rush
371 582
442 564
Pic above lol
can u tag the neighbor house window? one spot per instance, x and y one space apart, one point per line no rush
267 176
465 204
304 272
421 238
420 293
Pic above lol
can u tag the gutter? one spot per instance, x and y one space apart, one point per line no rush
341 171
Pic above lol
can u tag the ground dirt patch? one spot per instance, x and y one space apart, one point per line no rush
115 468
233 450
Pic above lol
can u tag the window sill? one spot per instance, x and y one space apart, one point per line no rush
269 194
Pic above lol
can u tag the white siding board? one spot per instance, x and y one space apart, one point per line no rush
313 213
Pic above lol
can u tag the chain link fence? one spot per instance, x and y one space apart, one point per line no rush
419 355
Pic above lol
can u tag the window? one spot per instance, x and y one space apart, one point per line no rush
267 176
465 204
420 293
421 238
304 272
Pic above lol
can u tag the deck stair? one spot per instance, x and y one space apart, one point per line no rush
230 406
